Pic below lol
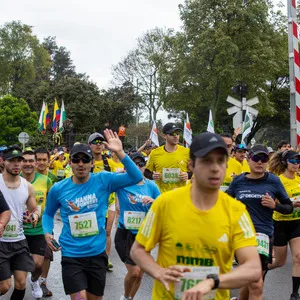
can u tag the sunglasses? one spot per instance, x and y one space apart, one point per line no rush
96 142
174 133
84 159
140 164
294 161
262 158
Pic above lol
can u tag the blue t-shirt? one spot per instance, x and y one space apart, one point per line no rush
92 196
130 199
250 191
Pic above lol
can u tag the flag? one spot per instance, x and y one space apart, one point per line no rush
63 116
210 125
56 116
247 125
46 119
187 132
154 135
41 118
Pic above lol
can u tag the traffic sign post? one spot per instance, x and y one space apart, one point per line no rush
23 138
239 107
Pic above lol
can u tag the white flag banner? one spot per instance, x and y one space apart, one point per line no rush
210 125
187 132
41 118
247 125
154 135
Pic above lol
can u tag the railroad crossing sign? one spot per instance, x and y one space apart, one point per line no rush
238 108
23 138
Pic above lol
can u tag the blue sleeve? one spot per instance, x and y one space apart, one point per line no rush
231 189
120 180
52 205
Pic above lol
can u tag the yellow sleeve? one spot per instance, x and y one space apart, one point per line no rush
150 163
150 232
244 234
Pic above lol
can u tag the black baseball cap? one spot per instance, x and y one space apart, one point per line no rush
289 154
206 142
94 136
81 148
12 152
170 127
135 155
258 149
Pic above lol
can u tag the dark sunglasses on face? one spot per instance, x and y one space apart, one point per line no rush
263 158
294 161
173 133
140 163
96 142
84 159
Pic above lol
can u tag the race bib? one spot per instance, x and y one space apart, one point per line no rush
170 175
263 243
11 230
133 219
60 173
190 279
83 225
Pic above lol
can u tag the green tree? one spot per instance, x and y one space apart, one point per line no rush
225 42
16 117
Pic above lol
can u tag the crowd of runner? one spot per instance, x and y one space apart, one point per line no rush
181 199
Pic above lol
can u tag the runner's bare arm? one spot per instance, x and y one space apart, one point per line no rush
4 219
147 263
31 205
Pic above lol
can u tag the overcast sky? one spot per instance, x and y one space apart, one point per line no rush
97 33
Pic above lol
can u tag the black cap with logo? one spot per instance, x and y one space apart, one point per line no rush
258 149
82 148
206 142
12 152
170 128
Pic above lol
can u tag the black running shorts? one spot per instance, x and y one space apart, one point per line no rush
84 273
124 240
15 256
37 244
284 231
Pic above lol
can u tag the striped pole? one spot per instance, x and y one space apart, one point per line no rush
294 65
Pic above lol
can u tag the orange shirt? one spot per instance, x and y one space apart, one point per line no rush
122 131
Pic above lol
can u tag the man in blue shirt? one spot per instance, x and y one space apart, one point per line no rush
258 191
83 201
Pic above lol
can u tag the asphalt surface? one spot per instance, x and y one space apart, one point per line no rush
278 282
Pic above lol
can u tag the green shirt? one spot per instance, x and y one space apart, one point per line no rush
41 184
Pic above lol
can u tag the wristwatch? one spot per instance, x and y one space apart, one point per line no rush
215 278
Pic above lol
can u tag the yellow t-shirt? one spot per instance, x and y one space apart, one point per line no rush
58 170
245 166
98 166
169 164
67 156
233 167
115 166
190 237
292 187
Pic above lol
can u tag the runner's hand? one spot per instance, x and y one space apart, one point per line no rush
147 200
170 274
2 227
296 203
183 176
198 291
156 176
49 237
267 201
34 218
113 142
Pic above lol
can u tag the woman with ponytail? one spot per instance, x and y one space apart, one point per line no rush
287 227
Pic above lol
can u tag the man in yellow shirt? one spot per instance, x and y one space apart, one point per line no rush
198 228
58 165
240 152
234 168
168 164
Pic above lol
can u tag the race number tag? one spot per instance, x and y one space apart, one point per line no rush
190 279
295 199
170 175
60 173
83 225
263 243
11 230
133 219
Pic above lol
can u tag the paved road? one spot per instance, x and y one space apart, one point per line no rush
277 286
